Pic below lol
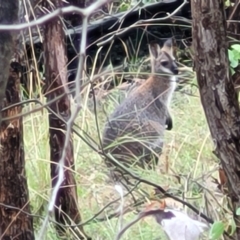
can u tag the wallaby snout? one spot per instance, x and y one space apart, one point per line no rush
174 68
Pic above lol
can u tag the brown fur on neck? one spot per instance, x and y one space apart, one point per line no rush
159 85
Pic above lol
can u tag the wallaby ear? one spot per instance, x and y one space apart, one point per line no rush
168 46
154 50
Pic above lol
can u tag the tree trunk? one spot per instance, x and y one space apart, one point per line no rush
66 205
218 97
15 222
8 15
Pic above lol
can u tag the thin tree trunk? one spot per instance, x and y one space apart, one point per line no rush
15 221
217 92
8 15
66 205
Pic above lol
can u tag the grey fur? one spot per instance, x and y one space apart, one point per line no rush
134 132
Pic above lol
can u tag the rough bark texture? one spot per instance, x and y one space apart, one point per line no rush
218 97
14 224
66 205
8 15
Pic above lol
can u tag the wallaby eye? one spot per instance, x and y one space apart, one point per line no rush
164 63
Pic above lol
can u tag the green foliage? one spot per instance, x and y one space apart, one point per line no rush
124 7
238 211
227 3
234 56
216 230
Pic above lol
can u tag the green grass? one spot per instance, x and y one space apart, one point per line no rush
187 156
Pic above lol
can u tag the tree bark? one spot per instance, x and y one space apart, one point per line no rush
66 205
217 92
8 15
15 221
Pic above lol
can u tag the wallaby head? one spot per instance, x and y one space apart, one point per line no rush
162 59
164 70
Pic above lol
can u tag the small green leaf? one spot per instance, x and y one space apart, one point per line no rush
227 3
232 59
216 230
234 64
232 71
124 7
230 55
238 211
236 54
236 47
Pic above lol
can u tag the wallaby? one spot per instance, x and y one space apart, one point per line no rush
134 132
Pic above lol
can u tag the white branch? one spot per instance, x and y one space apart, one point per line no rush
86 12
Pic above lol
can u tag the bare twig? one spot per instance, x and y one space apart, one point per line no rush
120 32
58 12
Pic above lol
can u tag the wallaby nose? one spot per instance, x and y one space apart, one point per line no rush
174 68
